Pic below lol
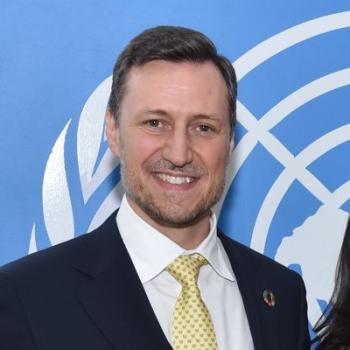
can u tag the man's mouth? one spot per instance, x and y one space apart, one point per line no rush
175 180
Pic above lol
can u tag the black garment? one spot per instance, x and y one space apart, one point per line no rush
85 294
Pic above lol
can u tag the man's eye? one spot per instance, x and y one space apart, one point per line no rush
205 128
154 123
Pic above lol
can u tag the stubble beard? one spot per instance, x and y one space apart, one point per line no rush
171 213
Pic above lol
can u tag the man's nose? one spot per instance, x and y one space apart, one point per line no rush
177 148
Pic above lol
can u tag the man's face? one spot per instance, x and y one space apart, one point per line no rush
173 140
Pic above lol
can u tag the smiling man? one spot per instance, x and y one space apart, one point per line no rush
158 274
173 138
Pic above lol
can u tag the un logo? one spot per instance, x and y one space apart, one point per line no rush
283 195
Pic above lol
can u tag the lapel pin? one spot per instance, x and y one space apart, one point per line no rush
269 298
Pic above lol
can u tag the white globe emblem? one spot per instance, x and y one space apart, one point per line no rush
317 268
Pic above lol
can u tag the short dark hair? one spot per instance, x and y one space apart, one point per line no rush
175 44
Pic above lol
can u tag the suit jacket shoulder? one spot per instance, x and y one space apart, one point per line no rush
261 263
81 294
280 323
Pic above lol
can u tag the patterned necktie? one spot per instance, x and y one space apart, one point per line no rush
192 328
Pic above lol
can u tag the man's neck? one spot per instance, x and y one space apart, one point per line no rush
188 237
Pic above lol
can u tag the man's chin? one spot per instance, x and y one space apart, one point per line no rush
172 213
180 219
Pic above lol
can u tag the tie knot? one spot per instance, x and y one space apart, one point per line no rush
185 268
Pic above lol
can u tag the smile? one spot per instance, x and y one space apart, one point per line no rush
175 180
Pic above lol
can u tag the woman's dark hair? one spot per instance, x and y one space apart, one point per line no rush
175 44
333 329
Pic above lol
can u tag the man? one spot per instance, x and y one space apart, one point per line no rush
157 274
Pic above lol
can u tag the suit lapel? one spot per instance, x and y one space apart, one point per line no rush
250 287
113 295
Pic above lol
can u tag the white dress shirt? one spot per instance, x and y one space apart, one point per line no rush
151 252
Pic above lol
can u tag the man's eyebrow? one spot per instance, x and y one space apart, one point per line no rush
159 112
162 113
207 116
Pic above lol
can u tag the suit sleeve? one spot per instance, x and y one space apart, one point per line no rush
304 335
15 333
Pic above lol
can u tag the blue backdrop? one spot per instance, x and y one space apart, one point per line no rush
288 184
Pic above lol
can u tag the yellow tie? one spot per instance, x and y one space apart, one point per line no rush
192 328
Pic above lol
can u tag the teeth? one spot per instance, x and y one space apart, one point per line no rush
175 180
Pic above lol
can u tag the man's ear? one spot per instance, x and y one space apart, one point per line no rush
112 133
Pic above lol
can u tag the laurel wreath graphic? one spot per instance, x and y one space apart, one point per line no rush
58 212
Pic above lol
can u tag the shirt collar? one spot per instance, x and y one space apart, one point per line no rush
151 251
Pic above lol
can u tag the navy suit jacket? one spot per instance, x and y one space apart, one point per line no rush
85 294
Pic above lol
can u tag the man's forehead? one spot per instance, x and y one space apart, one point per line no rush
161 73
164 85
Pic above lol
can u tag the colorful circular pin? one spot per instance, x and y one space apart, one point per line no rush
269 298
